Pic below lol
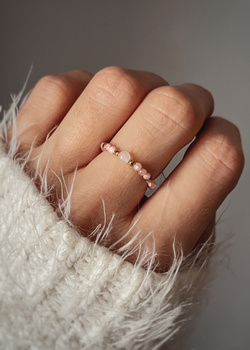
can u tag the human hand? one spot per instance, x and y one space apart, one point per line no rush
138 112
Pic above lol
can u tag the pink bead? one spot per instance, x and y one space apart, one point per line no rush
137 166
151 184
107 146
111 149
103 146
142 172
147 176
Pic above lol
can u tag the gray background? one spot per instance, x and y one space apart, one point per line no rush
205 42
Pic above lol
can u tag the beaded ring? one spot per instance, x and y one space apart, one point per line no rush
124 158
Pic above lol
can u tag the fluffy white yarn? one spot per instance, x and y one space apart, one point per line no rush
59 290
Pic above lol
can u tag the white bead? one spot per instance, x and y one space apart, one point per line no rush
124 157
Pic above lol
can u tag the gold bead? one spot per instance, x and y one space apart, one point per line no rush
117 153
131 162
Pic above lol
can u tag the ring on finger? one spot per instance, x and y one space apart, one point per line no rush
125 158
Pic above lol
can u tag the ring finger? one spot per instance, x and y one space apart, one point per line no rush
167 119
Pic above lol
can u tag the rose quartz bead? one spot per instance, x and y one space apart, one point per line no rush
124 157
137 166
151 184
142 172
147 176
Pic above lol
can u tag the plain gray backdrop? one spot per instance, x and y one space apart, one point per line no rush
205 42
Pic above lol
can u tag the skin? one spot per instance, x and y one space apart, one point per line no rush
139 112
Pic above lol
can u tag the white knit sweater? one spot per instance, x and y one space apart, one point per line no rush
59 290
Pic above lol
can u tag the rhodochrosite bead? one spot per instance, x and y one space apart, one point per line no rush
142 172
103 146
151 184
137 166
147 176
111 149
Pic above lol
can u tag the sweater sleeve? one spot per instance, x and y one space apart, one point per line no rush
59 290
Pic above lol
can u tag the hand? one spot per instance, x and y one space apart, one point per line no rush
138 112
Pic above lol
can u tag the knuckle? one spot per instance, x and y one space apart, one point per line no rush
173 110
83 73
116 83
223 158
52 86
77 76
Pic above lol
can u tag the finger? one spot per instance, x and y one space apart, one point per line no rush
167 120
208 236
183 207
151 136
47 105
105 105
